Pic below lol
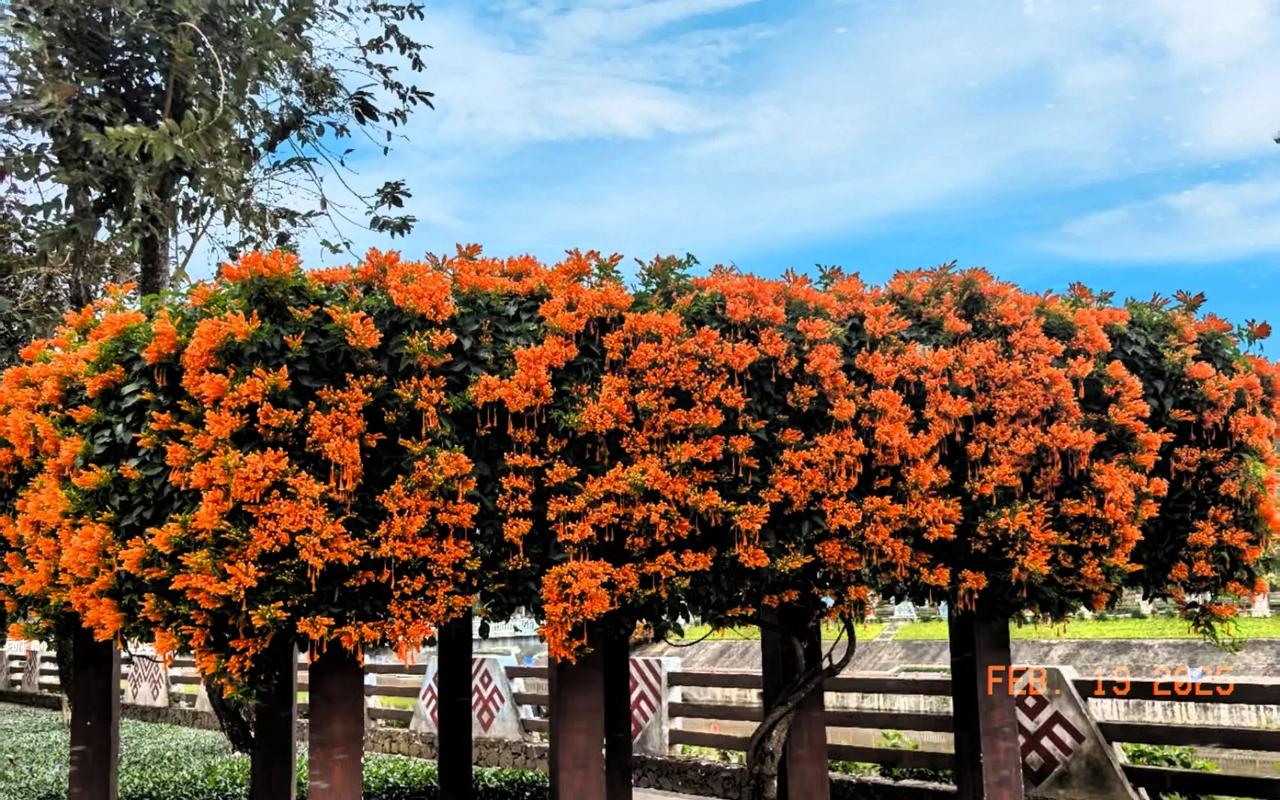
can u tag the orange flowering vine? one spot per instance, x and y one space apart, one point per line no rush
74 481
351 457
329 505
1216 407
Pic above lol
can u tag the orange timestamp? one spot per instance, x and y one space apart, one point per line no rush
1168 681
1011 677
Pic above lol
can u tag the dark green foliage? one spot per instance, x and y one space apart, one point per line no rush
163 762
147 127
1154 755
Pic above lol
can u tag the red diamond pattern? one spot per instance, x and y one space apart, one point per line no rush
486 697
431 701
646 693
31 671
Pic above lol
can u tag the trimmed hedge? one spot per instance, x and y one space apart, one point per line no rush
165 762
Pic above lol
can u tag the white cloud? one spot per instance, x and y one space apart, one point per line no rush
722 126
494 93
1208 222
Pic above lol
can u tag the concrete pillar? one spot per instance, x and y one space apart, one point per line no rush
337 726
94 695
988 760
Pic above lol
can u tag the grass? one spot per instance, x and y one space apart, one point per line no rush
1114 628
165 762
1150 628
692 633
402 703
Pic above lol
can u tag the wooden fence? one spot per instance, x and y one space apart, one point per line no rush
1266 740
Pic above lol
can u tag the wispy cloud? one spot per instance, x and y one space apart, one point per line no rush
725 126
1207 222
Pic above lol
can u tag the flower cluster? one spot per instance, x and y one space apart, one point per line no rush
328 503
351 457
73 479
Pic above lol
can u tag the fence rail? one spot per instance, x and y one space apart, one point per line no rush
398 683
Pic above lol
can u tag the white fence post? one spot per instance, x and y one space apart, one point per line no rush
651 695
494 714
147 683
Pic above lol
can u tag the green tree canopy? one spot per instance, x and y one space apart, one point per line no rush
156 125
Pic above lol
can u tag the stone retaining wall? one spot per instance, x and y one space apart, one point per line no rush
688 775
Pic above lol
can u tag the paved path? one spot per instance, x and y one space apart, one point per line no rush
656 794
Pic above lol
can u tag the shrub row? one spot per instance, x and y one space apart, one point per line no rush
165 762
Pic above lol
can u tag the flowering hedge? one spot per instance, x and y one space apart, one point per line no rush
76 483
328 502
351 457
1215 406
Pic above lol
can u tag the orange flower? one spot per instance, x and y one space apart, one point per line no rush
358 326
164 339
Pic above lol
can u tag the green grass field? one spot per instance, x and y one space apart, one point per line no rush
1150 628
692 633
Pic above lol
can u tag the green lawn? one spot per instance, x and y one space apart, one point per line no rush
1126 628
865 632
1151 628
164 762
402 703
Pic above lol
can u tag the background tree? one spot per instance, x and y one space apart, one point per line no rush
35 286
159 126
1216 406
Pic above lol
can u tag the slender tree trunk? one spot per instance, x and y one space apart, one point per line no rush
233 717
617 710
988 759
791 683
81 285
153 261
273 770
337 726
94 690
453 732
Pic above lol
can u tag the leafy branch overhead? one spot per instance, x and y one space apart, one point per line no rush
161 126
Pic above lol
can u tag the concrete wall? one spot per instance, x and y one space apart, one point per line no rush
1258 658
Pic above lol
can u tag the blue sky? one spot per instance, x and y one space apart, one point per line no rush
1125 144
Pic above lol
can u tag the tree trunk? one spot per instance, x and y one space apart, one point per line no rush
453 731
158 215
153 262
576 719
236 724
337 726
808 775
81 283
786 693
94 692
988 759
273 769
616 645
